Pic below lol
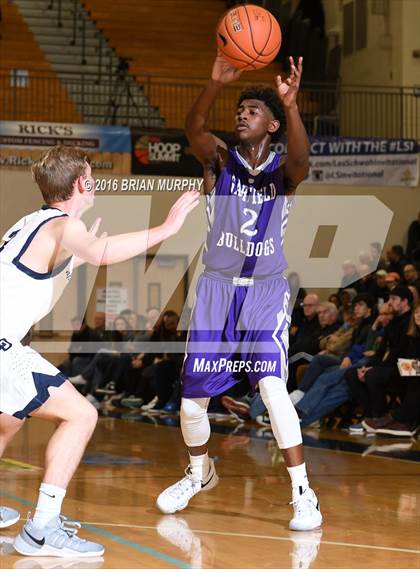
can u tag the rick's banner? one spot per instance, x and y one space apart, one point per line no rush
21 143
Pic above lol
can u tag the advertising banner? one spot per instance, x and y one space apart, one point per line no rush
22 142
349 161
361 161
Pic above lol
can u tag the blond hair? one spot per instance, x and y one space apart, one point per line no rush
57 170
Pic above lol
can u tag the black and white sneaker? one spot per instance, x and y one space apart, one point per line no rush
176 497
307 515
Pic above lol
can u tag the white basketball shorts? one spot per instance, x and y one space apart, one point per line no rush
25 377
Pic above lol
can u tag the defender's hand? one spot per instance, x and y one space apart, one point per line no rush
179 211
95 227
223 71
288 90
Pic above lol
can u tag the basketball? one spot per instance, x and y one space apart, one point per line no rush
249 37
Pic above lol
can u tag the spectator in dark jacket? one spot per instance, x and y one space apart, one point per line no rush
404 421
411 276
413 244
396 259
310 343
328 323
384 372
378 287
305 322
78 359
323 393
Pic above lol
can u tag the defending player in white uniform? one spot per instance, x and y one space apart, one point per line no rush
37 256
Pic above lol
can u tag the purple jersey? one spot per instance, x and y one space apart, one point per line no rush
247 213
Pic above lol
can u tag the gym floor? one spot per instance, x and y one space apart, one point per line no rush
368 489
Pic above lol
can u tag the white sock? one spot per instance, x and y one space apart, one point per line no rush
299 478
49 504
199 466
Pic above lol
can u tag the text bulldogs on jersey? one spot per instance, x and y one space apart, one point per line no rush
247 248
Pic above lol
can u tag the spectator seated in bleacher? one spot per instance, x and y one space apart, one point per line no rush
324 387
411 276
99 325
151 317
378 287
107 362
404 421
310 344
364 284
396 260
415 293
350 274
413 243
370 386
153 376
346 297
78 359
335 299
304 321
333 349
392 280
378 262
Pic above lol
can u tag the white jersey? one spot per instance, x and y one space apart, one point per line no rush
26 296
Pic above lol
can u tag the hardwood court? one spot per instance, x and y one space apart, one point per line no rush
370 503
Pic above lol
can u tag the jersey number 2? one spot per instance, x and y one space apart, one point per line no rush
244 227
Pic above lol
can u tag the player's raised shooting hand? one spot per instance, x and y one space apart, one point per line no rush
288 90
223 72
179 211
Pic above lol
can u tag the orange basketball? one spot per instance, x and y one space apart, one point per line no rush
249 37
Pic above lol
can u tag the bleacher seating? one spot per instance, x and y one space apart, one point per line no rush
173 42
28 100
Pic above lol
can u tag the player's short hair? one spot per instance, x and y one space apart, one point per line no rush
269 97
57 170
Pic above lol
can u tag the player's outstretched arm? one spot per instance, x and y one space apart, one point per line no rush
206 147
93 230
297 161
115 249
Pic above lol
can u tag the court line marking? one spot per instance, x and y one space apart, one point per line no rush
93 526
271 537
113 537
22 465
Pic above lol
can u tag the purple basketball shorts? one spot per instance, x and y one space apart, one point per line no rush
238 326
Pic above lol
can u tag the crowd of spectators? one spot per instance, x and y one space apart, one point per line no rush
343 354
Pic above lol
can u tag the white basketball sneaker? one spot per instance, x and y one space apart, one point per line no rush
177 496
8 517
307 515
58 539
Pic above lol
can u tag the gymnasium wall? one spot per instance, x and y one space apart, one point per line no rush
387 60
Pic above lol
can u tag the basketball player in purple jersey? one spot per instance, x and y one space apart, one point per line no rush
242 299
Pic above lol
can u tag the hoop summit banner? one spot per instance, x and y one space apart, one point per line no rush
22 142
